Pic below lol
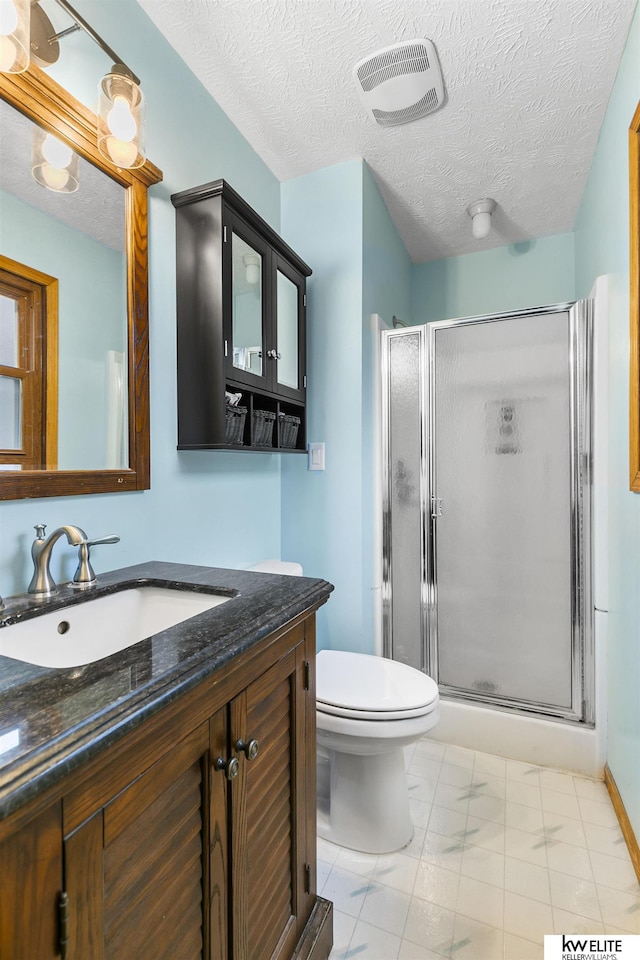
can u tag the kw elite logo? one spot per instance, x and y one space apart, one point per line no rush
580 947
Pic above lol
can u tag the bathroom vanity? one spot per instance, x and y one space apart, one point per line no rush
161 802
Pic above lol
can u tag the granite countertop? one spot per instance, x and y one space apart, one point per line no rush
53 719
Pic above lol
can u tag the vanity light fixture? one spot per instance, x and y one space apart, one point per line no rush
54 165
14 35
27 33
121 118
480 212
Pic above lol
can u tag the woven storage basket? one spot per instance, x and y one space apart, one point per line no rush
234 424
288 430
263 421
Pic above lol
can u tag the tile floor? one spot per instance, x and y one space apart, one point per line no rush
503 852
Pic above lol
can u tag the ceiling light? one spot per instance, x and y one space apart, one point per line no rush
54 165
14 35
480 212
252 268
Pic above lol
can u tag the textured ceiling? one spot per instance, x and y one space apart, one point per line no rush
527 84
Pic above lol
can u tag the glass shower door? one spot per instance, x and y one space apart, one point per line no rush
404 531
506 512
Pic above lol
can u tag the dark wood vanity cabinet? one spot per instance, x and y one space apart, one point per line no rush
157 851
31 880
241 307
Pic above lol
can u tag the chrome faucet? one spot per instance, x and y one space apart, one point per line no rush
42 583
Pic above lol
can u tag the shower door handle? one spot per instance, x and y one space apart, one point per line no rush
436 507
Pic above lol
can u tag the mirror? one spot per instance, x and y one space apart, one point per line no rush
247 305
634 276
90 247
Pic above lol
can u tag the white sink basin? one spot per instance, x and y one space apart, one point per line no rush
97 628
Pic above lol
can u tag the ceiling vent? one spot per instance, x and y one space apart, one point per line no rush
400 83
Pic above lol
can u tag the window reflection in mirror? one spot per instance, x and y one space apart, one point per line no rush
77 238
28 368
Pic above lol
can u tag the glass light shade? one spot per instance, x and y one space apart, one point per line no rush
121 119
252 269
15 35
480 212
54 165
481 225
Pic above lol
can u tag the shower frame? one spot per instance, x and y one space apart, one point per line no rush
580 320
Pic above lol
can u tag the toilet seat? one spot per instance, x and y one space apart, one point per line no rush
330 709
363 687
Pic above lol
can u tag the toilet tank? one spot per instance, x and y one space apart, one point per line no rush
278 566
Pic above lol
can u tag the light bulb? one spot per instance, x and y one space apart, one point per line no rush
121 118
481 225
480 212
54 164
251 268
123 153
57 153
54 177
8 54
14 35
121 121
8 17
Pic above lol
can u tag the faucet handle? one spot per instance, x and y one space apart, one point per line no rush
84 574
113 538
40 529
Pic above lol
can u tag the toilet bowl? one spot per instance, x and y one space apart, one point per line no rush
367 709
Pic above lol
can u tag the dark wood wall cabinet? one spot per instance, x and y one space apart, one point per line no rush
241 300
192 837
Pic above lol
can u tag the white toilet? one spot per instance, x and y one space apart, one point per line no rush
368 709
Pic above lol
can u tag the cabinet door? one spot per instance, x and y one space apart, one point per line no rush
288 330
137 872
270 899
246 294
31 871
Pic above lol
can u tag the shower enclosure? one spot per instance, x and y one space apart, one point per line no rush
486 507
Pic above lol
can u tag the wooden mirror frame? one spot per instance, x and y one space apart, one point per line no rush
49 105
634 298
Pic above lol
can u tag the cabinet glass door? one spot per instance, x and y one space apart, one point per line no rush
247 307
287 332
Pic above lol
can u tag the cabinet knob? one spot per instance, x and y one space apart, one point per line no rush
230 767
273 354
250 748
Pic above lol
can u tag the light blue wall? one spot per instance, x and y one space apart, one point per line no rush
203 507
322 511
338 222
91 310
529 274
602 246
386 287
